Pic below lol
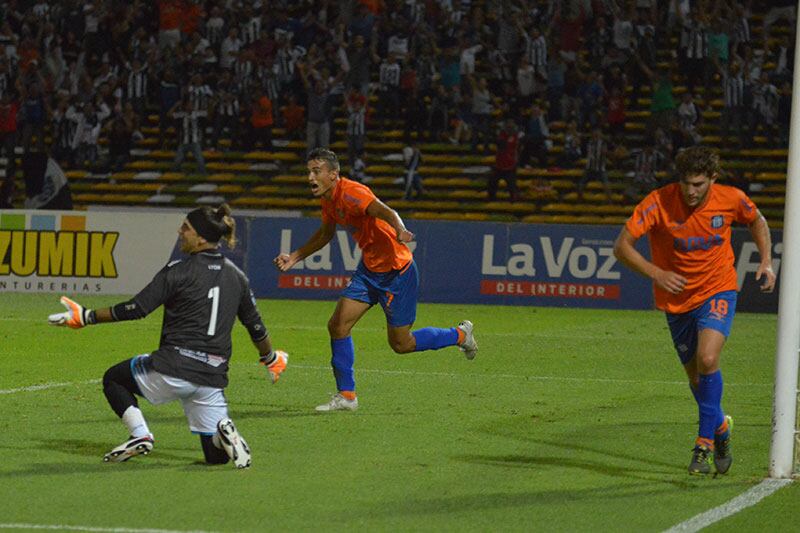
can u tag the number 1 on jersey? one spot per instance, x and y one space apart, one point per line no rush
213 294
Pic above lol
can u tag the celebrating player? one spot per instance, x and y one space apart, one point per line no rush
694 280
202 296
386 275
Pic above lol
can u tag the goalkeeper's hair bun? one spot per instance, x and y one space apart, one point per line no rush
223 214
214 225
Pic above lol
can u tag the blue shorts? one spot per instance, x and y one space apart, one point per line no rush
395 290
715 313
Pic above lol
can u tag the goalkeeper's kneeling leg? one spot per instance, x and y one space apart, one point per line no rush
119 386
214 455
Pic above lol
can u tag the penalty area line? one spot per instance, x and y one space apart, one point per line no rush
45 386
61 527
747 499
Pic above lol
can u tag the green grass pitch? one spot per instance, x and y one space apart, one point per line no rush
568 420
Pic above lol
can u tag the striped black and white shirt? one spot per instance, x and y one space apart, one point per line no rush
696 44
190 131
214 29
741 30
65 125
733 87
286 60
200 96
356 119
251 30
244 74
389 76
137 82
536 52
596 155
765 99
229 105
646 164
268 79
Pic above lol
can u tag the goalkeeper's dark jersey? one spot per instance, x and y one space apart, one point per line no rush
202 296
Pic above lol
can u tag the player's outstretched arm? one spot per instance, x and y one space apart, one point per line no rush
382 211
626 253
759 230
320 238
77 316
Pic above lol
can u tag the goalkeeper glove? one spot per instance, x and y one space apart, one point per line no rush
275 361
75 317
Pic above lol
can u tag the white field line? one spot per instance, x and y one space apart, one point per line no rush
45 386
522 377
518 376
61 527
742 501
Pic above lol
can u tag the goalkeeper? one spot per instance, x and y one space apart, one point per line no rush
202 295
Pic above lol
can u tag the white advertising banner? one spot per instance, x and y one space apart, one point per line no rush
83 252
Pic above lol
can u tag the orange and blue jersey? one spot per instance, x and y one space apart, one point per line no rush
694 243
380 250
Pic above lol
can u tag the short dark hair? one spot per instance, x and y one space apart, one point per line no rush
323 154
697 161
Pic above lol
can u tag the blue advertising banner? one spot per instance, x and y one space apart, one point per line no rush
462 262
751 299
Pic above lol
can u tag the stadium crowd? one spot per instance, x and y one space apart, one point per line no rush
491 74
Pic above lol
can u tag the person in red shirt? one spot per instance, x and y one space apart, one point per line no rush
506 160
386 275
261 122
692 267
8 141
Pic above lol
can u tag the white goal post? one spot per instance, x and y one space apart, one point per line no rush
785 437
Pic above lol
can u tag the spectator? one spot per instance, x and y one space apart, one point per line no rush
169 95
647 162
481 112
662 104
596 161
8 141
227 113
389 89
318 123
190 134
506 160
688 119
358 169
536 139
412 158
615 115
294 116
34 115
63 131
356 123
572 146
765 107
120 142
261 122
87 133
733 112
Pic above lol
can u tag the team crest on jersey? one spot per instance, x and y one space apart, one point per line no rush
717 221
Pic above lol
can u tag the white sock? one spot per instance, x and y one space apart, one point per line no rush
216 441
134 421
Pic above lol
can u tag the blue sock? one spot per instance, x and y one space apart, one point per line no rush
709 393
342 359
694 392
435 338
